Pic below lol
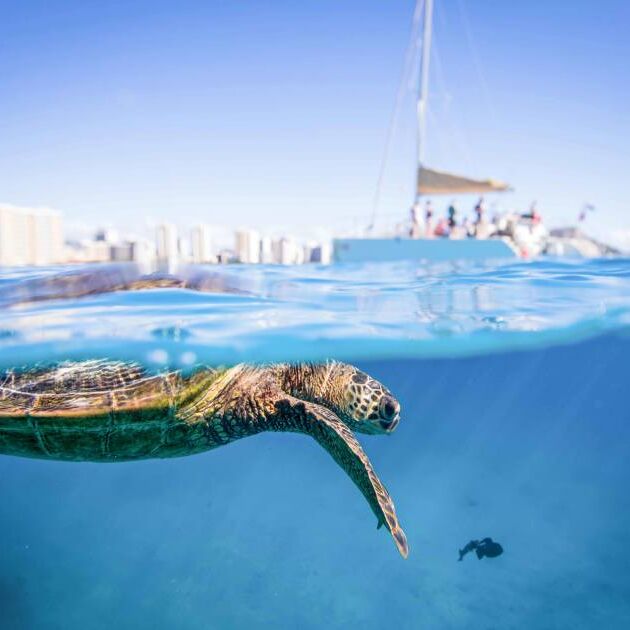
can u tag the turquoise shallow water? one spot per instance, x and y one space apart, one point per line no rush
515 425
270 313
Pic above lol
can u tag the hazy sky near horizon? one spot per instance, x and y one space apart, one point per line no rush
275 114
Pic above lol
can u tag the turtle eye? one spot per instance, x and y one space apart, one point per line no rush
389 407
389 410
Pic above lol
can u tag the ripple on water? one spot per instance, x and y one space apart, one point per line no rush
262 313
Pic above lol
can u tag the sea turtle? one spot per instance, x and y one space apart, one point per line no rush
110 411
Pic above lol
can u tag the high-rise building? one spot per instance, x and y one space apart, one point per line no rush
201 244
46 236
30 236
287 252
266 250
166 244
184 249
248 246
143 254
13 236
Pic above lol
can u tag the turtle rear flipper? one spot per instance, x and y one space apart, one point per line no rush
338 440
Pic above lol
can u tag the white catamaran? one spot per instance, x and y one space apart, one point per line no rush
429 182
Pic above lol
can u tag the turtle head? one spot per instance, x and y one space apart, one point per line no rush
363 403
369 406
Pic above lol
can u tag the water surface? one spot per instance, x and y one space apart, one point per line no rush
513 384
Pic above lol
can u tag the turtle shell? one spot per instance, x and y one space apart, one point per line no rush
100 411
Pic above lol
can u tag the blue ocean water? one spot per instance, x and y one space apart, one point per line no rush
515 424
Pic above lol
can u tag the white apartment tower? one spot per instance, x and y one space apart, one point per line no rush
248 246
266 250
287 252
166 244
30 236
200 244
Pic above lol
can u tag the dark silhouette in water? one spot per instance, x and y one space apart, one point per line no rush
485 548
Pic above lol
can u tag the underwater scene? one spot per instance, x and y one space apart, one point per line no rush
261 447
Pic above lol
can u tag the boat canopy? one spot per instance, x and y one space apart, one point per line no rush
432 182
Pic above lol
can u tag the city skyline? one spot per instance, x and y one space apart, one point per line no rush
35 236
275 117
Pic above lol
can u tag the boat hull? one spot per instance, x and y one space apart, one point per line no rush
350 250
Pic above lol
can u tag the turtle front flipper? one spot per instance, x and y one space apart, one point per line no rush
338 440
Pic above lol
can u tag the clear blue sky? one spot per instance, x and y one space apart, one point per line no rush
275 113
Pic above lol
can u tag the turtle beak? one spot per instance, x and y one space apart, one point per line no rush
390 425
390 413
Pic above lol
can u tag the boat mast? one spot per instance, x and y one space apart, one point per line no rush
423 86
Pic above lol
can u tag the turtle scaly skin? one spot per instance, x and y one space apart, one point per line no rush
104 411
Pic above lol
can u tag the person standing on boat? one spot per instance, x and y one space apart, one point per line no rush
452 215
480 210
428 218
533 215
414 215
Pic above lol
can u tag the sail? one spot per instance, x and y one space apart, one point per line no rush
432 182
